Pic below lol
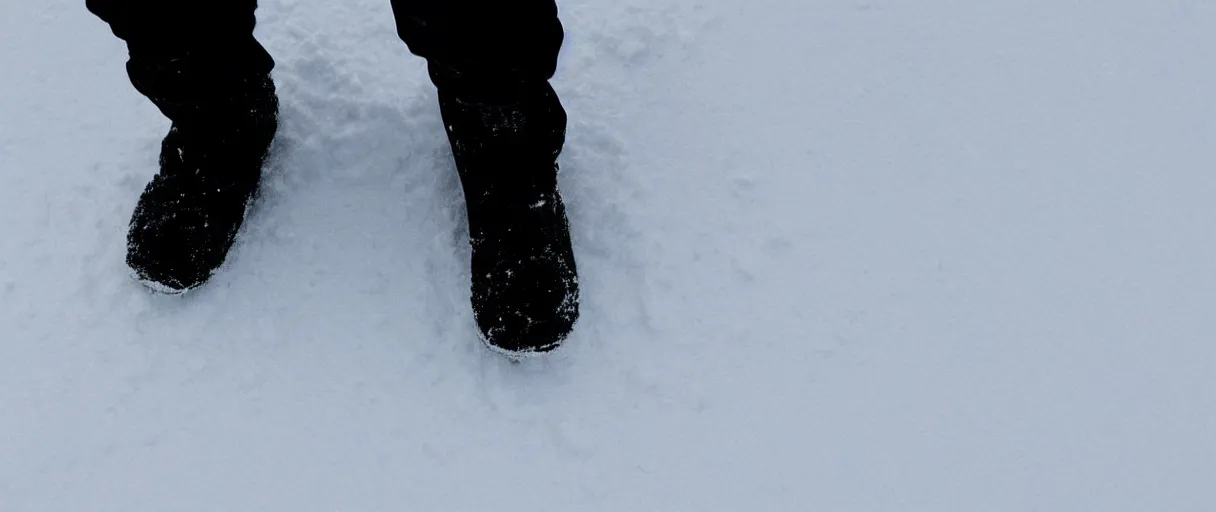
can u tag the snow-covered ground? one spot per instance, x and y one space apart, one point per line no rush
870 255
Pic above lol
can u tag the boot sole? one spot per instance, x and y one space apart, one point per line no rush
517 355
160 288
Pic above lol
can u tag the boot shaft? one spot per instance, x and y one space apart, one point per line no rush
505 149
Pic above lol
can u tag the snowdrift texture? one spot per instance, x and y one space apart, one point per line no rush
881 255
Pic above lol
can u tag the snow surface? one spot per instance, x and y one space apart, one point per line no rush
872 255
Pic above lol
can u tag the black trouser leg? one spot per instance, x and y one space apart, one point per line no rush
483 50
491 60
185 54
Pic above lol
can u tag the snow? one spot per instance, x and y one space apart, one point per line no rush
856 255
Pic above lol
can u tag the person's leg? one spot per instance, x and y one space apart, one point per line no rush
491 61
200 65
187 52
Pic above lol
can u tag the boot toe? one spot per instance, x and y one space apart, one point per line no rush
523 316
167 257
175 246
520 333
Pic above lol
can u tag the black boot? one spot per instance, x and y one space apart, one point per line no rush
525 285
210 166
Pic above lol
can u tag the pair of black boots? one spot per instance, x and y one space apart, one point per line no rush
505 139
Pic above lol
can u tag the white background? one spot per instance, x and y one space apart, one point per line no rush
884 255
